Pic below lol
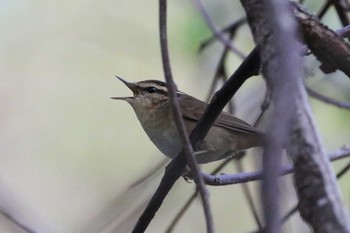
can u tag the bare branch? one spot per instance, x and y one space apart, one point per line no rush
182 211
320 202
187 150
343 171
187 147
149 174
325 44
216 32
340 7
13 220
294 210
324 9
328 100
228 179
248 196
231 30
281 62
188 203
344 32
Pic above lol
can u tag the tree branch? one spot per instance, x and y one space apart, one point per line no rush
320 202
187 150
243 177
16 222
328 100
216 32
177 114
281 62
185 207
332 51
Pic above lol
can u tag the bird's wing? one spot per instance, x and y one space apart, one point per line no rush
228 121
195 109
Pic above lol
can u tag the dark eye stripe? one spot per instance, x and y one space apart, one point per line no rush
156 90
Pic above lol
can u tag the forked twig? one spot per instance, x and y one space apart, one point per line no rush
231 30
216 32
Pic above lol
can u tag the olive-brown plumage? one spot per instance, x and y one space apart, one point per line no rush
152 107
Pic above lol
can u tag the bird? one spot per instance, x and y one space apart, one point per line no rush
152 107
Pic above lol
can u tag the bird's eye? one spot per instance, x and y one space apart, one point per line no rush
151 89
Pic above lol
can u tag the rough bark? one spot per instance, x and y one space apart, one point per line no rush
315 182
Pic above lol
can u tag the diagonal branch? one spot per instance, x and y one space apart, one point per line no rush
320 200
187 150
17 223
185 207
174 103
341 11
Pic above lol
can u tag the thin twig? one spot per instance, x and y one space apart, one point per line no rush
344 32
328 100
16 222
231 30
245 187
220 72
238 178
343 171
217 32
182 211
290 213
343 16
248 196
188 203
172 93
176 166
324 9
149 174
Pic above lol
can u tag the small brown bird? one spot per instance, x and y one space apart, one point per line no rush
152 107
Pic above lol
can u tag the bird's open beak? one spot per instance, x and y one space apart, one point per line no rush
131 86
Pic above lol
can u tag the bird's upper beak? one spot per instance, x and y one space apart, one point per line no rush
131 86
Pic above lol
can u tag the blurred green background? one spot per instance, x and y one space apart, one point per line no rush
67 151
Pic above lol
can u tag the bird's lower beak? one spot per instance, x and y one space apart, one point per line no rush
120 98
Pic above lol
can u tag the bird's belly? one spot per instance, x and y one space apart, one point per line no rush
167 142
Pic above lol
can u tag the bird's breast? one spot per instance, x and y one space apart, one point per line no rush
161 129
